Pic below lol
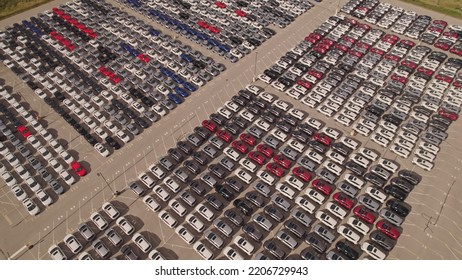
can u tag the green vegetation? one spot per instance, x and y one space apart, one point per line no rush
10 8
451 8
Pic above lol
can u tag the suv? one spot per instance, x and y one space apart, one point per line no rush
244 207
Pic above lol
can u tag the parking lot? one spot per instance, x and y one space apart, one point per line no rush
428 223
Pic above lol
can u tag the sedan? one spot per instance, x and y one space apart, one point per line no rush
365 215
388 229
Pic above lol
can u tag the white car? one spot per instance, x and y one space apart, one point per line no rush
203 251
343 120
168 219
285 190
349 234
243 175
429 147
111 210
232 106
380 140
376 194
326 219
141 242
254 89
359 159
99 221
266 177
373 251
284 106
101 150
279 135
177 207
151 203
244 245
336 157
195 222
358 225
332 133
305 204
425 154
67 177
400 151
349 142
336 210
332 167
297 114
315 195
248 164
314 156
361 129
185 234
31 207
388 165
161 193
232 254
353 180
422 163
267 97
369 154
205 211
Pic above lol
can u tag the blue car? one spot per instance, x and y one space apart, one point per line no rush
175 98
202 36
182 92
186 57
177 79
192 31
224 48
213 42
165 71
189 86
154 12
154 32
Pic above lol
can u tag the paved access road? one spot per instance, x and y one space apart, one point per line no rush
431 231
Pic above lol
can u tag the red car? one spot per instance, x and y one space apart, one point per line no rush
341 47
343 200
220 4
214 29
78 168
440 22
448 115
457 84
407 43
210 125
410 64
363 45
425 71
257 157
276 169
364 26
323 138
456 51
444 78
247 138
143 57
356 53
322 186
451 34
377 51
203 24
363 214
240 13
436 29
350 20
282 160
223 134
348 39
327 42
392 57
24 132
390 38
266 150
304 84
442 46
240 146
398 78
315 73
388 229
302 173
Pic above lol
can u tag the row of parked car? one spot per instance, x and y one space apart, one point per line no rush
116 82
230 29
340 67
32 158
259 141
98 231
420 27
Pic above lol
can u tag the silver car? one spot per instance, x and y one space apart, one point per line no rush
324 233
214 239
286 239
262 221
369 202
388 215
223 227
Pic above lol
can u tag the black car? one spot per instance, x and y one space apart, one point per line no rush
375 179
346 249
113 143
200 157
253 232
202 132
243 206
319 147
398 207
197 187
241 122
142 122
304 127
410 176
395 192
341 149
175 153
224 192
355 168
301 136
218 119
192 166
384 241
90 139
402 184
392 119
185 147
